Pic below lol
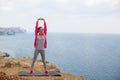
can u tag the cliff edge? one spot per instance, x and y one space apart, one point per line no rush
9 68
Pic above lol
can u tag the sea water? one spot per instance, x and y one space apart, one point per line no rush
96 56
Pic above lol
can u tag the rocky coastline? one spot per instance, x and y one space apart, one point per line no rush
9 68
11 30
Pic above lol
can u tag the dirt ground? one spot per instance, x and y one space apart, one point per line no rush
9 68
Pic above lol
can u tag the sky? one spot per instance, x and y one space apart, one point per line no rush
76 16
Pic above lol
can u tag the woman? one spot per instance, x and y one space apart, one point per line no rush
40 43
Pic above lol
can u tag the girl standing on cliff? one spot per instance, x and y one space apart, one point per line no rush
40 43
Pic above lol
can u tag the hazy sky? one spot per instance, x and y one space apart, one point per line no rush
91 16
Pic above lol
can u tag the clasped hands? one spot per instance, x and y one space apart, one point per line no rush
41 19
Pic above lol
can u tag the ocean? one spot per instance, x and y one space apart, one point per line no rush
96 56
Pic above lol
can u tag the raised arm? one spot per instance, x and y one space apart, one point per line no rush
45 28
36 32
36 28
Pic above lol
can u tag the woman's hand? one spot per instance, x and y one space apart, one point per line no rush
41 19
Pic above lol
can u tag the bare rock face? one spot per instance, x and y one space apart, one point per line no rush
26 63
52 67
4 54
4 76
11 64
9 68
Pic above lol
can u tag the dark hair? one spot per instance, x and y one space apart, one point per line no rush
39 28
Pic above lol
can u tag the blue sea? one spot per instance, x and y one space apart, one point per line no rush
96 56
